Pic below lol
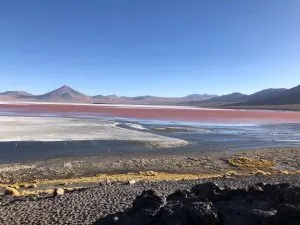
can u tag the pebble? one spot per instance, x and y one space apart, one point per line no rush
58 192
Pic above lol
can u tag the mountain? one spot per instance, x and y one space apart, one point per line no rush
265 94
11 95
148 99
107 97
277 97
261 96
266 99
64 94
68 94
234 97
221 100
199 97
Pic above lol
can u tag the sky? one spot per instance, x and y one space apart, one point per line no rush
149 47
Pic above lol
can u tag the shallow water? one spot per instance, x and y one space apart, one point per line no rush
237 137
201 136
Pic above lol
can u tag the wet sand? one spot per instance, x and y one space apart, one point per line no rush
192 114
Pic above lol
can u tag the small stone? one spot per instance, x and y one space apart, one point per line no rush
131 182
106 182
23 185
232 173
261 184
58 191
32 186
284 172
11 191
67 165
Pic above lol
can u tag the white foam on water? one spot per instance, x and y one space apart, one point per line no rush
135 126
289 140
197 124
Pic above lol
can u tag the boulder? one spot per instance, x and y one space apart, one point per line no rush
148 203
209 204
206 191
265 217
288 214
201 213
178 195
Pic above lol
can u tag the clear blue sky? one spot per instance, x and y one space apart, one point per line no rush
155 47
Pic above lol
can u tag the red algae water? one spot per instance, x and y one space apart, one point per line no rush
188 114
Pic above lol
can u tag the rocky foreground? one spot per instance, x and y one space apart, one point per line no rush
210 204
92 205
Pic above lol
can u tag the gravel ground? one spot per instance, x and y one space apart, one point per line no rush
86 206
203 163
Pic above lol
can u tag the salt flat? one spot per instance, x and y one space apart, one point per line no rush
75 129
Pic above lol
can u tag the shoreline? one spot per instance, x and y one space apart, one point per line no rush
265 160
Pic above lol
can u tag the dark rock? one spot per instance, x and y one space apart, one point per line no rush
148 203
257 216
261 184
234 193
255 189
209 204
178 195
206 191
288 215
201 213
172 214
291 195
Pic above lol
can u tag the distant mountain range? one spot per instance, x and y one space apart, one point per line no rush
12 95
265 99
68 94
